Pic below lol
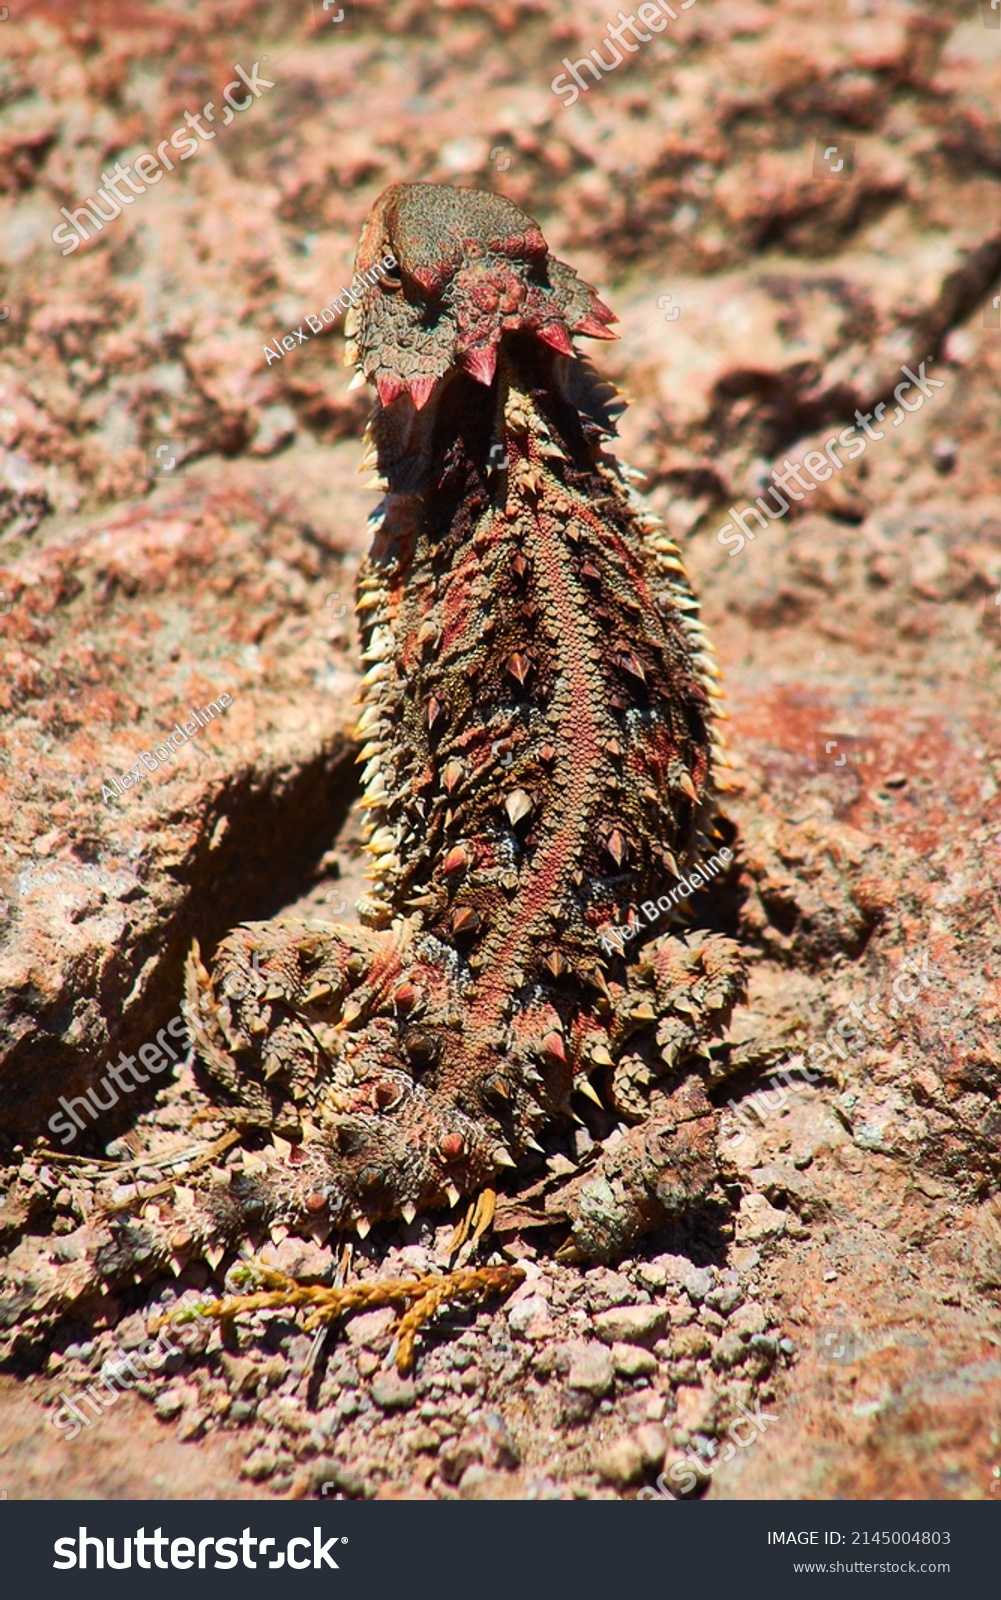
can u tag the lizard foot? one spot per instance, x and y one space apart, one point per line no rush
651 1175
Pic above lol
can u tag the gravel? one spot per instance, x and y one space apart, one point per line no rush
620 1463
631 1324
592 1369
391 1392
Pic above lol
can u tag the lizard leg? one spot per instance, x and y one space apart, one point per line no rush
680 995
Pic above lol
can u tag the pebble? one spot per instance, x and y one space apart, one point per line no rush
242 1374
620 1462
603 1289
651 1274
729 1352
530 1318
690 1344
260 1465
80 1352
391 1392
502 1451
727 1295
748 1320
575 1407
422 1441
631 1361
696 1282
757 1220
349 1480
591 1369
651 1438
694 1407
631 1324
169 1404
454 1462
192 1425
131 1332
371 1328
299 1258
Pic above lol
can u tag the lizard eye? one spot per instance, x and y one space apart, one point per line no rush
390 281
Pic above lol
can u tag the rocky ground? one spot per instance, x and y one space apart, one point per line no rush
834 1328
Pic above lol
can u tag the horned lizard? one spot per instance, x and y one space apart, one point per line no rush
540 761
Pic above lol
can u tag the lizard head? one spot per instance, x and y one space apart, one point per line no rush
471 269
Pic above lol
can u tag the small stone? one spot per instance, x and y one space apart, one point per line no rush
391 1392
242 1375
730 1351
651 1438
552 1358
944 453
131 1332
368 1363
260 1465
694 1407
530 1318
169 1404
576 1407
299 1258
604 1289
502 1450
630 1361
348 1480
690 1344
748 1320
475 1477
243 1410
371 1329
80 1352
592 1370
631 1324
454 1462
745 1259
727 1294
192 1425
422 1441
620 1463
757 1220
696 1282
275 429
